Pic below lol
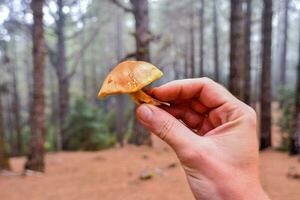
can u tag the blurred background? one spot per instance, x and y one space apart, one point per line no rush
55 55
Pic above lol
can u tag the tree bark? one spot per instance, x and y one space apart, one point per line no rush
283 66
142 37
294 146
15 102
121 104
61 71
216 41
16 106
236 48
4 162
201 39
35 159
142 31
266 94
247 71
192 41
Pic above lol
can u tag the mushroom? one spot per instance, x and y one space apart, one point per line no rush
130 77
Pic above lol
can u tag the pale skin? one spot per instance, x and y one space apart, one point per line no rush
212 133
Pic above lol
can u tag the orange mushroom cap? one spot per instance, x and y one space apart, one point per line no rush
129 77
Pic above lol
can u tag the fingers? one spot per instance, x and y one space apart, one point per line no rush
208 92
191 118
165 126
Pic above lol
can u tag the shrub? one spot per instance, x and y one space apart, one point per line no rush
286 100
88 128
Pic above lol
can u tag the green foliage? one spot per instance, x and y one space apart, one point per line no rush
88 127
286 100
51 136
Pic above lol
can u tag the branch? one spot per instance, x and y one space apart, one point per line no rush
52 56
128 56
81 52
119 4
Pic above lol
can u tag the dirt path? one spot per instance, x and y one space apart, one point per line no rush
113 175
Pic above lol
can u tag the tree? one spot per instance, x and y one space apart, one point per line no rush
143 37
236 48
266 94
284 44
216 40
120 103
15 102
201 39
35 159
247 71
4 163
192 41
61 72
294 146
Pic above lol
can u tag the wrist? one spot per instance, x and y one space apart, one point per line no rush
245 190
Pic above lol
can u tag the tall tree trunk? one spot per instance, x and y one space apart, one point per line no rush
16 106
120 107
61 71
201 39
247 71
236 48
54 107
216 41
192 41
4 163
266 94
15 102
142 38
284 44
294 147
142 35
186 57
83 62
35 160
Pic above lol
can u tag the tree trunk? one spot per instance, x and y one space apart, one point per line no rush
294 147
16 106
247 71
192 41
186 57
142 38
61 71
83 62
284 45
142 31
15 102
35 160
216 41
201 39
236 48
4 163
121 104
266 94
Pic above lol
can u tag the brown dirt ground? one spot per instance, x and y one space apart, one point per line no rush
113 175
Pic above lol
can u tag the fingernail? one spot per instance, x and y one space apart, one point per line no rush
144 113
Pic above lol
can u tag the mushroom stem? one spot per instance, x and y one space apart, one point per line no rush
140 97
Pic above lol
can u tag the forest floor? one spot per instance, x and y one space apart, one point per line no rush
114 175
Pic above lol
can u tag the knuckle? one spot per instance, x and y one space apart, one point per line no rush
166 128
207 80
250 115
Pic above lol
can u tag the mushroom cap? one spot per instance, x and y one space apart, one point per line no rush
129 77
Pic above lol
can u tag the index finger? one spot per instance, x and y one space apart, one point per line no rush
208 92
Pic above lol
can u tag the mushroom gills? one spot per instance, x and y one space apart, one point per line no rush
140 97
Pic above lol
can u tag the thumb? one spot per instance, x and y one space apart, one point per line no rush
165 126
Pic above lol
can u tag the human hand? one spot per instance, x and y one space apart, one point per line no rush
217 143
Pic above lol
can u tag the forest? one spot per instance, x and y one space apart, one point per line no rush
55 55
